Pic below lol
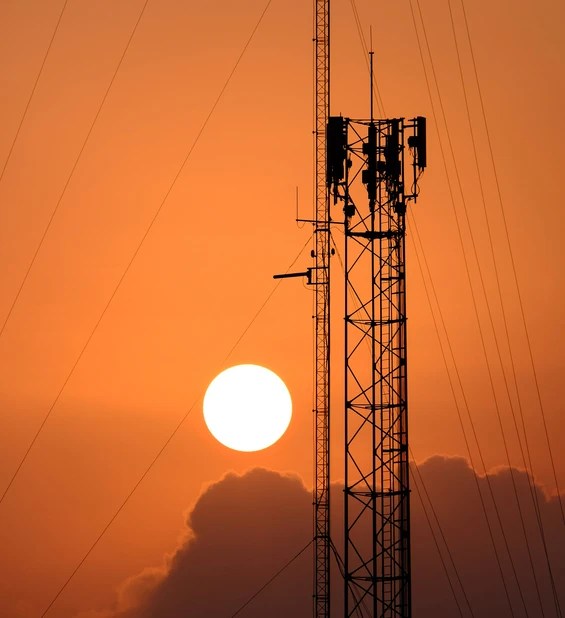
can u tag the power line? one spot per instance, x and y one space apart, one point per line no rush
39 74
456 403
273 578
533 493
501 572
436 541
75 164
536 505
512 473
141 242
511 253
497 346
121 507
166 443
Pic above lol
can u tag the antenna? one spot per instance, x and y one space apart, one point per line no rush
371 54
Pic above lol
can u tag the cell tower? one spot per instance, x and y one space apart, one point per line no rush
349 154
377 496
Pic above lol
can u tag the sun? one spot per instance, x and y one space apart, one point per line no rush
247 408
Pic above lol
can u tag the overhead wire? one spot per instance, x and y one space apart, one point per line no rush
45 232
474 248
71 174
139 246
493 256
529 472
495 549
34 88
526 330
272 578
453 391
166 443
436 543
533 492
529 479
513 264
489 311
465 403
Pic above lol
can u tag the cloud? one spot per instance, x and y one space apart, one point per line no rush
454 491
240 530
244 528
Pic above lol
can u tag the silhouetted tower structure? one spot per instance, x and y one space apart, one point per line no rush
377 154
321 280
319 277
350 154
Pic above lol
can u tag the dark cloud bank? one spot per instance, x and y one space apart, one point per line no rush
244 528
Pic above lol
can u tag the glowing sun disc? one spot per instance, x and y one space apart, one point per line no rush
247 407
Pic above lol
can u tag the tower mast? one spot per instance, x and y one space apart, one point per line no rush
321 280
379 153
319 277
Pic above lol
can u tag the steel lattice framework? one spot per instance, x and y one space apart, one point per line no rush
377 494
321 280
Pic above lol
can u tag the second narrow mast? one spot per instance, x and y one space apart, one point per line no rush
321 279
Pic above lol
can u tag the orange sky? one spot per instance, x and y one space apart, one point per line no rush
226 228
